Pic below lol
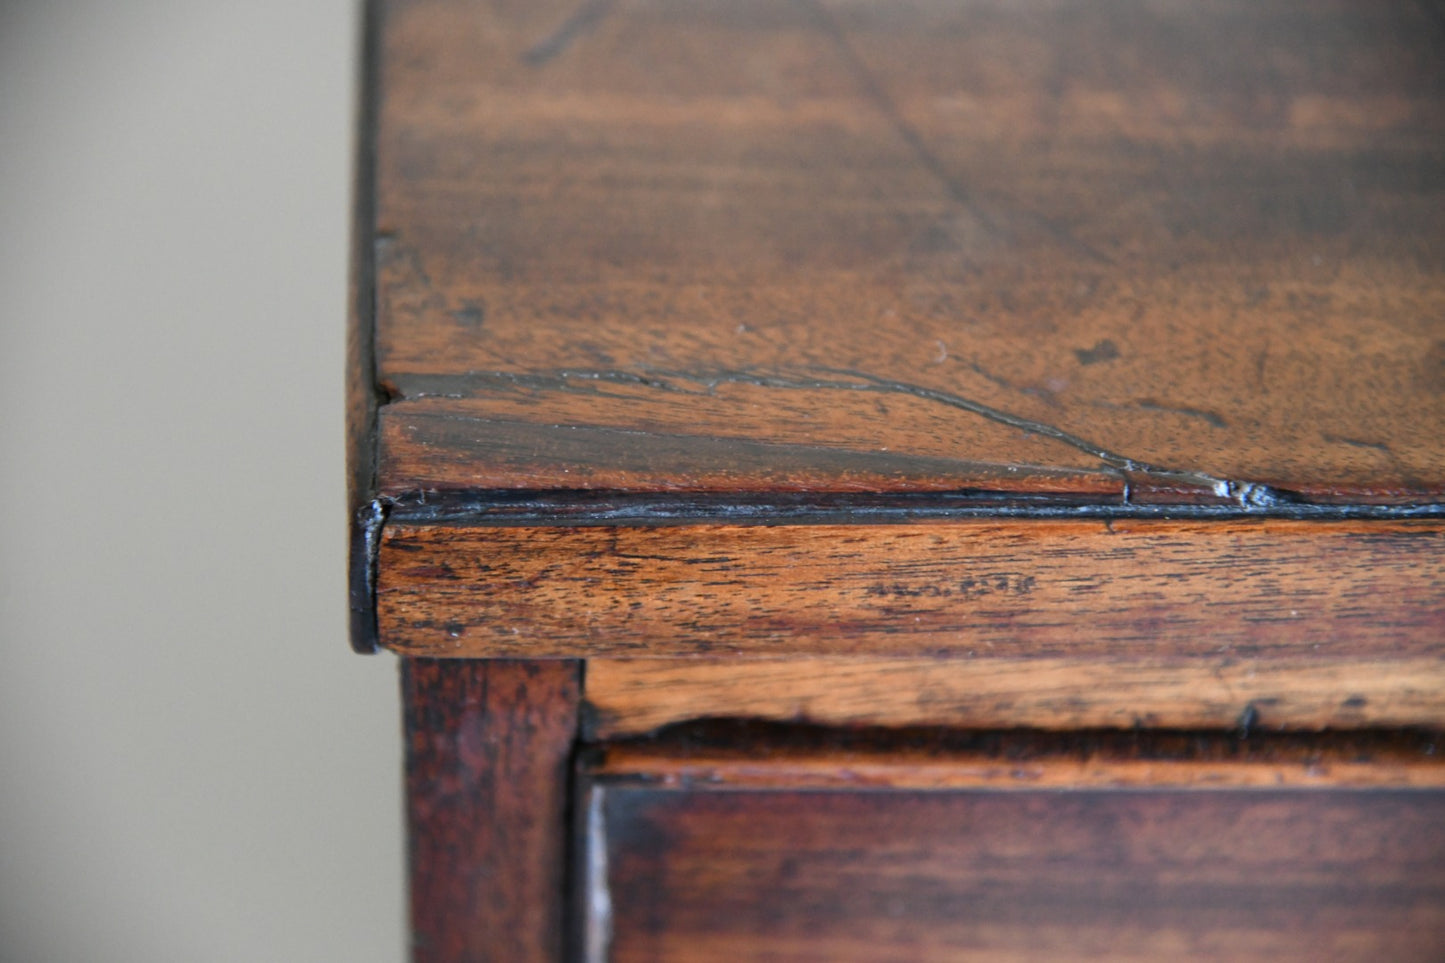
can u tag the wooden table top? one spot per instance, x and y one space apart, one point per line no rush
756 260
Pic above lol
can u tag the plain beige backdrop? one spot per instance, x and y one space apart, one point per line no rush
193 767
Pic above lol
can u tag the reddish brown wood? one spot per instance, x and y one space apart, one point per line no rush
634 696
488 748
758 246
983 590
672 265
703 875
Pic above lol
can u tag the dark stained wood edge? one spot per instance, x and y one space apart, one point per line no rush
489 762
734 755
363 396
582 507
906 771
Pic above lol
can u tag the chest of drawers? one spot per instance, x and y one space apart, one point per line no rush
857 481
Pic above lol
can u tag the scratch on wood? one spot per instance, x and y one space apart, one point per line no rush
1213 419
957 191
1043 394
583 20
1358 443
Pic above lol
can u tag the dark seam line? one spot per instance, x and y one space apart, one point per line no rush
865 77
580 509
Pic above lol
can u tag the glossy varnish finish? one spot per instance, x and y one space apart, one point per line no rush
488 747
1121 251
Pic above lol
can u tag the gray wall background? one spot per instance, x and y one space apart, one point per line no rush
193 767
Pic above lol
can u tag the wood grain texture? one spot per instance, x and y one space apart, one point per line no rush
1121 251
626 697
1265 590
1240 874
488 748
640 268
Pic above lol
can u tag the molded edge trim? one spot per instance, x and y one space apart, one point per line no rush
363 395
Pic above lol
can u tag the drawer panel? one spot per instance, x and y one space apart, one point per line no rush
685 871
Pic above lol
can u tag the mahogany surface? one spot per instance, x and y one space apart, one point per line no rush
699 874
743 262
1054 364
633 696
488 752
1119 251
964 588
747 842
765 842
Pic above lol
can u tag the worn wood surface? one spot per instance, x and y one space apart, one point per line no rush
698 874
1111 251
1266 590
762 261
1278 691
488 748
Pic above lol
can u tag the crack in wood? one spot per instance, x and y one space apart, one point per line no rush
957 191
582 21
1247 494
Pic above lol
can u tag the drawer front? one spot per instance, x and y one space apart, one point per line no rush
703 874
